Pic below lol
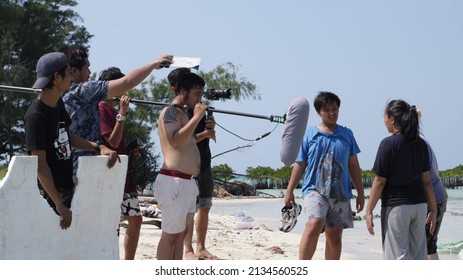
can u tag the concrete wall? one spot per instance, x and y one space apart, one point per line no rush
29 228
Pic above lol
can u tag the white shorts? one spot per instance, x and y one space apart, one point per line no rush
176 198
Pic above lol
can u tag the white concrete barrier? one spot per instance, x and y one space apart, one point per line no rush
29 228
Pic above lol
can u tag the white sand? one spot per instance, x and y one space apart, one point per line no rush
227 242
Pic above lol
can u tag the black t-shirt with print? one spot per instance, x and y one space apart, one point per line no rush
47 128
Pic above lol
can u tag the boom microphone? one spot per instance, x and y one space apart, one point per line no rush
295 126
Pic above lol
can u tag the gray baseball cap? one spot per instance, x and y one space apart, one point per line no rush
47 65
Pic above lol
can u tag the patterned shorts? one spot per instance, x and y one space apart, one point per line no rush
335 213
130 205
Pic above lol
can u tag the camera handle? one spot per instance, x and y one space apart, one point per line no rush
209 112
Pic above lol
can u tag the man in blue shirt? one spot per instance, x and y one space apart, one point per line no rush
328 155
81 101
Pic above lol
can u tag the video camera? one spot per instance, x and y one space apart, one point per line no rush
215 94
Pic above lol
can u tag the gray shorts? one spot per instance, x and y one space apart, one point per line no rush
403 232
335 213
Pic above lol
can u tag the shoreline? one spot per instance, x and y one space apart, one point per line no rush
261 238
231 238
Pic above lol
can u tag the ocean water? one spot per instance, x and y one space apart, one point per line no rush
268 212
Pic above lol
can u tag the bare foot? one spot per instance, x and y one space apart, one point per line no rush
190 256
205 255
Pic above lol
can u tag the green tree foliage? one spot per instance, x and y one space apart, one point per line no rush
28 29
259 172
223 76
226 76
222 172
283 173
266 177
454 172
368 174
262 176
143 117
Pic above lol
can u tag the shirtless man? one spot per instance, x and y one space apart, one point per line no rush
176 188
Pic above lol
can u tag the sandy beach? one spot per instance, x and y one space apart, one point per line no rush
227 242
247 229
233 238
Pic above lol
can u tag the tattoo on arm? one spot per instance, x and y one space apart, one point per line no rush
171 114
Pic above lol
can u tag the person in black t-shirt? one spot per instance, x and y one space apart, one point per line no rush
402 179
47 135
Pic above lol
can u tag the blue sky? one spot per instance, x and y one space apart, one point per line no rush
367 52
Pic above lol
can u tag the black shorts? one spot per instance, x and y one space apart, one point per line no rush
431 240
206 188
66 195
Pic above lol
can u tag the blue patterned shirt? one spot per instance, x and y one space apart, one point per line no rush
81 103
327 157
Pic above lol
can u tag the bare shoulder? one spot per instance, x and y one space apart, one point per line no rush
171 114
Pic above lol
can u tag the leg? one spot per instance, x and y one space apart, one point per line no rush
189 254
130 210
177 211
178 251
339 217
131 236
201 232
333 243
168 245
397 235
417 247
432 239
309 238
206 188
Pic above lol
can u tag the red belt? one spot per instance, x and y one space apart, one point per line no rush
176 173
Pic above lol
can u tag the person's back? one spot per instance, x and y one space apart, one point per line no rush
402 180
407 161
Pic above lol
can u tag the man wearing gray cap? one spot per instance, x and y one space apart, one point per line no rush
48 137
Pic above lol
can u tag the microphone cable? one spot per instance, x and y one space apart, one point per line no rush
244 139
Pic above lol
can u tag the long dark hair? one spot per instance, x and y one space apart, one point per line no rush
405 118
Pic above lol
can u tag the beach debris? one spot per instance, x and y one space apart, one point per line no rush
241 216
276 250
242 226
152 211
265 195
451 247
220 192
